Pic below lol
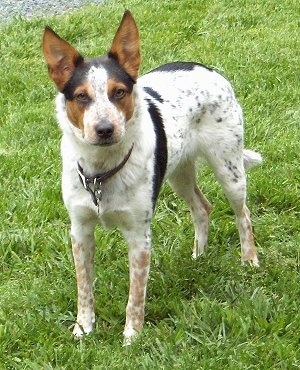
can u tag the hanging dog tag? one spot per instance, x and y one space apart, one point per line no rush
97 193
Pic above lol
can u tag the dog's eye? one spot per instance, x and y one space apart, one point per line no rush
82 98
119 94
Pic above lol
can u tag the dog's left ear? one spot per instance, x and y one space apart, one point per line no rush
126 46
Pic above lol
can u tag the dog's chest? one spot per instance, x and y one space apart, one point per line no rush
123 196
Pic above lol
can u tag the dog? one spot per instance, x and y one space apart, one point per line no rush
123 136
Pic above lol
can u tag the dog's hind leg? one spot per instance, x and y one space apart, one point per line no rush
83 248
230 172
183 182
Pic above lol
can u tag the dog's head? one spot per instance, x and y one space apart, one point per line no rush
99 91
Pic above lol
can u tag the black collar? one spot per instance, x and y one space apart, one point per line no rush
97 180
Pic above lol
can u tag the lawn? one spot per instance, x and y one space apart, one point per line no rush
210 313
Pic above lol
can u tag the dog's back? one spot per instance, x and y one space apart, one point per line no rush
199 111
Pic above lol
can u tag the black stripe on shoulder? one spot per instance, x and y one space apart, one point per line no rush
179 66
155 95
161 153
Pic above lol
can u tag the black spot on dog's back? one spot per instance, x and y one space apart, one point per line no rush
154 94
179 66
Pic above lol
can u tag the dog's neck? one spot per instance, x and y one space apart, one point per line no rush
93 184
103 176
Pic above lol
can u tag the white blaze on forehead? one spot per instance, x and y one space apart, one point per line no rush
97 77
101 107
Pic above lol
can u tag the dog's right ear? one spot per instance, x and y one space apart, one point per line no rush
61 58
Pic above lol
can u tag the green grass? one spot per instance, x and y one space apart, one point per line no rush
205 314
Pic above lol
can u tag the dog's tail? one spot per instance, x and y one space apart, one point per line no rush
251 159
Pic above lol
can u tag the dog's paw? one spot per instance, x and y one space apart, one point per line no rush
79 330
253 261
130 335
199 250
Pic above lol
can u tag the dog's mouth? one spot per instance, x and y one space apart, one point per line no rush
105 144
95 140
100 142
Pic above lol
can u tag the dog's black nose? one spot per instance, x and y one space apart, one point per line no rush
104 129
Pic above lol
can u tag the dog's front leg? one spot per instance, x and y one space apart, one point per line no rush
83 248
139 266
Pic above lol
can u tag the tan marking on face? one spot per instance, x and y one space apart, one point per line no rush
76 108
125 104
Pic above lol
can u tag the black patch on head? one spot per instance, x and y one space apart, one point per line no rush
179 66
111 62
77 78
115 71
154 94
112 67
161 153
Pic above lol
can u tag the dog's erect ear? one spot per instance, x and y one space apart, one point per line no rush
126 46
60 56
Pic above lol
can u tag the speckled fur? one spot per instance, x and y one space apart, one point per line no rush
178 113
